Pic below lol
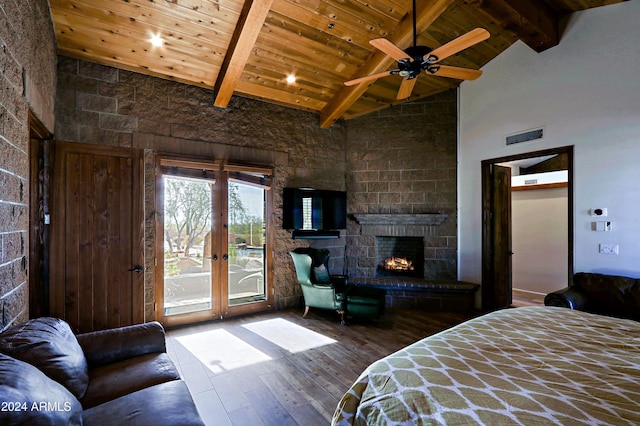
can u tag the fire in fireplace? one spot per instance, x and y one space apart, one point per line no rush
399 256
397 264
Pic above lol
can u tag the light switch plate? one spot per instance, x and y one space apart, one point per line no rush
609 249
602 226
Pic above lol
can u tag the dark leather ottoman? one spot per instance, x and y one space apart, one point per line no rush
365 302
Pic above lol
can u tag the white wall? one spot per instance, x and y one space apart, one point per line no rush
586 92
539 239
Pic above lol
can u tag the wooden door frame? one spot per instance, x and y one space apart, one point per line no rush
186 163
38 231
219 227
248 308
487 230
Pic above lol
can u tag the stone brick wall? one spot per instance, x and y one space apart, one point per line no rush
403 160
103 105
27 81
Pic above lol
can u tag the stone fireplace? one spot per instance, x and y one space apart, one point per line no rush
401 181
412 236
422 241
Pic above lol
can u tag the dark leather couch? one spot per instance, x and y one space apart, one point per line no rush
611 295
120 376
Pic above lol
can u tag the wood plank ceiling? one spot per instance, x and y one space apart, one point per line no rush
249 47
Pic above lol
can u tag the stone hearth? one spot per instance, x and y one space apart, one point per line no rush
425 294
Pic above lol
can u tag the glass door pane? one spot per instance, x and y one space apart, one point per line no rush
187 245
246 239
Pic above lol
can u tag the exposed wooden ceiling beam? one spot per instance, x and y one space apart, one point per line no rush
379 62
530 20
252 18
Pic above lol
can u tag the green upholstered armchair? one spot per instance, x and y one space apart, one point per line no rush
320 290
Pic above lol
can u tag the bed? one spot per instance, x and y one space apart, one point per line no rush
531 365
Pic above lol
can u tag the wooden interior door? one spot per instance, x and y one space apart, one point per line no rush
96 273
496 273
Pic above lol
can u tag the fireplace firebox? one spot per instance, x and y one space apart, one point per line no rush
400 256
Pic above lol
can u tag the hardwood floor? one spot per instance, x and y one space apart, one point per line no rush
522 298
278 368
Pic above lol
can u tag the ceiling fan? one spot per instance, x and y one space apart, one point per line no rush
414 59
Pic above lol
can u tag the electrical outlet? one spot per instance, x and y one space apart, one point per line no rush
608 248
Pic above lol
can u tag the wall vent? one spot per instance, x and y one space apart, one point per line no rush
529 135
530 181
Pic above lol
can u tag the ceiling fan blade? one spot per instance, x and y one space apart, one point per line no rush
406 87
454 72
389 48
367 78
459 44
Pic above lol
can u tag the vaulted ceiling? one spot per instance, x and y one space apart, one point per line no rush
249 47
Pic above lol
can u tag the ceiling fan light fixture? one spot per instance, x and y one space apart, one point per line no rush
414 59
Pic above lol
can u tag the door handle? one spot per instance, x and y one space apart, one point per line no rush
214 257
225 256
136 268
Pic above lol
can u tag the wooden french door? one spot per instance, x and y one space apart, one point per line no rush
212 246
96 272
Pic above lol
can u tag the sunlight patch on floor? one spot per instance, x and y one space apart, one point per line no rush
221 351
288 335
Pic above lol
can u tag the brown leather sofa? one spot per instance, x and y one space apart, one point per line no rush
610 295
120 376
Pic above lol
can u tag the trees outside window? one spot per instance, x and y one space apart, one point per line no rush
187 213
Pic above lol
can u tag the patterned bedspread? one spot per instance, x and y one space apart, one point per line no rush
524 366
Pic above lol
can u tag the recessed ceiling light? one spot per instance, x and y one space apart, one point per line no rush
156 40
291 79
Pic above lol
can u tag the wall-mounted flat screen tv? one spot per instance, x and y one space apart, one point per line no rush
314 209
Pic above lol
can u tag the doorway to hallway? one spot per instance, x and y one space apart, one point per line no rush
527 226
